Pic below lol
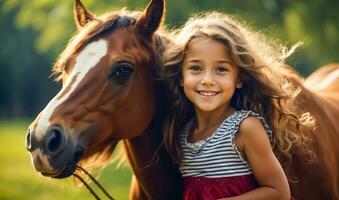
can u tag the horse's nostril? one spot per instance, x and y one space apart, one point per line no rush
54 141
28 141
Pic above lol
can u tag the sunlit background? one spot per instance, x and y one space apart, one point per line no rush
34 32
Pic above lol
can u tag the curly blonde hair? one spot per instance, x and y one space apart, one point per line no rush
265 89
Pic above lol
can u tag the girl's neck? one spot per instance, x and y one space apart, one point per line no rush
204 120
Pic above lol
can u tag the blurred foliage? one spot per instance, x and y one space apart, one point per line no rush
34 32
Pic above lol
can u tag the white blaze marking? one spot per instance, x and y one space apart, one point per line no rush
329 79
86 60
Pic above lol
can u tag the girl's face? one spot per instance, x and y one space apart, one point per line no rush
210 77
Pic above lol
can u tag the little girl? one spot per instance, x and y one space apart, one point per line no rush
228 111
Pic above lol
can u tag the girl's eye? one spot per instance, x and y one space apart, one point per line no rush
221 69
195 69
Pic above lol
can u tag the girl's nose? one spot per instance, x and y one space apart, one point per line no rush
207 79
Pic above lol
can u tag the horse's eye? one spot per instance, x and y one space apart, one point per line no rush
122 71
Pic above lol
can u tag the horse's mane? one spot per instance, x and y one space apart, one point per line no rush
98 26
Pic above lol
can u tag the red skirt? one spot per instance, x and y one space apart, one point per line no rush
202 188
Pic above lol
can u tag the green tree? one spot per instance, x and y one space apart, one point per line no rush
24 83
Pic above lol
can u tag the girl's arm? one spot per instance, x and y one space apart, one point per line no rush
252 139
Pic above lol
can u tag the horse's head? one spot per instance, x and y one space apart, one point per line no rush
107 93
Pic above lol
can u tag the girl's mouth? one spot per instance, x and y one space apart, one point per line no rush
208 93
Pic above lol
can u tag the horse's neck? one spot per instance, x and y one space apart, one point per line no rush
156 176
141 149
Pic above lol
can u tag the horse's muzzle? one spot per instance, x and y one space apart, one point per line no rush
56 154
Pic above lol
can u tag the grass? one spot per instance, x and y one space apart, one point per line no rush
19 180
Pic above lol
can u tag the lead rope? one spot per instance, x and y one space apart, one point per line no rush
87 186
95 181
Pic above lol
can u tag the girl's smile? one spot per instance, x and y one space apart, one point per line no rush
207 93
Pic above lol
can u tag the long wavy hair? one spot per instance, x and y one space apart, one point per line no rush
264 90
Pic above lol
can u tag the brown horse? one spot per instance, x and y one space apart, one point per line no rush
111 91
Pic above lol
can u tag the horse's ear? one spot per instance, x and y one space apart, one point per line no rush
81 15
151 18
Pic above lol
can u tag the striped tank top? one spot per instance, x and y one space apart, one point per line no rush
217 156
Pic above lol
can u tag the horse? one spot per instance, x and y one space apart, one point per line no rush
111 91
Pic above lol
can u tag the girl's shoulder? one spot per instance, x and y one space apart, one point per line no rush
246 120
236 120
